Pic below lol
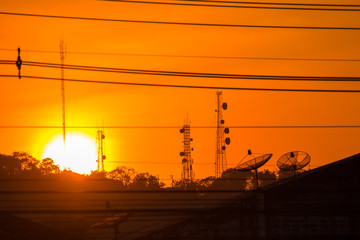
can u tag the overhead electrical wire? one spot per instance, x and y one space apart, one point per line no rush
190 56
197 4
178 127
185 74
275 3
179 23
188 86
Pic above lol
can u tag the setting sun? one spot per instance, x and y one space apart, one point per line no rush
79 153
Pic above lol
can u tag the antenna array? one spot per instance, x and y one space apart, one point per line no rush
221 141
100 150
187 173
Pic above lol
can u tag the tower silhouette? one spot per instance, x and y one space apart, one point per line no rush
187 173
221 141
100 136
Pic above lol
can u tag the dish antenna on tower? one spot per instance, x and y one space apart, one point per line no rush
293 161
253 163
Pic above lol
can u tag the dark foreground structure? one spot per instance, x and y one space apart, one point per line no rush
323 203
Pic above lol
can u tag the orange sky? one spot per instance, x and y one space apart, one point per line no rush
38 102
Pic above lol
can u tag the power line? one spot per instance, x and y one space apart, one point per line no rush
178 127
179 23
188 74
276 3
189 86
189 56
244 6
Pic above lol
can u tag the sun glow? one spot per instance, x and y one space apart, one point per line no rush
78 154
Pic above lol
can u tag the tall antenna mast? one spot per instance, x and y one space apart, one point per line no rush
100 150
62 58
220 154
187 173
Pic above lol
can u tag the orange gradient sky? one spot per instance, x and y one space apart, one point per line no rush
38 102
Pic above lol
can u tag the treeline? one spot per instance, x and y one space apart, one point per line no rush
230 180
21 165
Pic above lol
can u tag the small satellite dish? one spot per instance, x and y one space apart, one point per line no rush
253 163
226 130
293 161
182 154
224 106
227 141
103 157
182 130
184 160
222 121
112 221
223 148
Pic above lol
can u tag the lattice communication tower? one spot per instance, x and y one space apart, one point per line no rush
221 141
187 173
100 150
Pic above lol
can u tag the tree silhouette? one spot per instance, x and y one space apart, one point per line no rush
29 166
232 179
47 166
143 181
123 174
265 177
206 182
9 166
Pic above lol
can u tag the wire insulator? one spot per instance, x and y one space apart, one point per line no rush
18 63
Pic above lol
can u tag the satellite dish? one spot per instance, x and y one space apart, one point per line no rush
223 148
253 163
182 154
112 221
222 121
226 130
184 160
182 130
224 105
227 141
293 161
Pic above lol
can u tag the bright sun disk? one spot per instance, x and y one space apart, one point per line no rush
79 153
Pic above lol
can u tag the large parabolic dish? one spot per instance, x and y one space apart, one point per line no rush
293 161
253 163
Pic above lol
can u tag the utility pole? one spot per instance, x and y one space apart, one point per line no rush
62 58
172 180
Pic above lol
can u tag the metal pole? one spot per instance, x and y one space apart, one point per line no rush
62 58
